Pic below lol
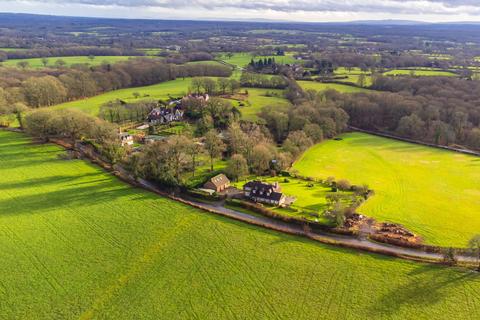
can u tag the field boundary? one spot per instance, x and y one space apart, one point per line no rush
357 243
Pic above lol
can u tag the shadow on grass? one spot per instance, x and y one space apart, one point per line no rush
427 285
73 195
53 180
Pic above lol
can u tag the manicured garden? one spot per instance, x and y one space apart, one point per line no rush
432 192
79 244
311 198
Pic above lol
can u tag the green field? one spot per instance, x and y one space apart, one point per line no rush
319 86
37 62
353 75
13 49
178 87
243 59
433 192
420 73
79 244
258 99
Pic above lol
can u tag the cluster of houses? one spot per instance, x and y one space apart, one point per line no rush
256 191
165 115
174 111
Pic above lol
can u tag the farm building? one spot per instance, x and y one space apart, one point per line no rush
264 192
218 183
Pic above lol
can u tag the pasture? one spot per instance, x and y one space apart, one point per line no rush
258 99
79 244
420 73
319 86
242 59
69 61
178 87
432 192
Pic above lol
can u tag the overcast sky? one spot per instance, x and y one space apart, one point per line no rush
293 10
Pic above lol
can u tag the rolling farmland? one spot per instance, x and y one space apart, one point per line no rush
243 59
78 243
430 191
319 86
162 90
37 62
420 73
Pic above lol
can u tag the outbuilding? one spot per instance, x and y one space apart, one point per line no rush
218 183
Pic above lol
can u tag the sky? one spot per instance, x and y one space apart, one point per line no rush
288 10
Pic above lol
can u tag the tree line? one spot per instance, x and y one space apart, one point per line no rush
47 88
255 80
74 125
440 110
71 51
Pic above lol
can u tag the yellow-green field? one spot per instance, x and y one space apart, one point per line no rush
178 87
420 73
37 62
353 75
243 59
258 99
79 244
434 193
319 86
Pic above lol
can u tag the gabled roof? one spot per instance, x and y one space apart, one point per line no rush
220 180
264 190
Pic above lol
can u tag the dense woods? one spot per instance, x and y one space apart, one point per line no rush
438 110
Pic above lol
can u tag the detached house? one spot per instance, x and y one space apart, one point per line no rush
165 115
218 183
264 192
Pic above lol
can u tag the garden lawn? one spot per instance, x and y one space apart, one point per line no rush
310 200
435 193
37 62
176 88
319 86
79 244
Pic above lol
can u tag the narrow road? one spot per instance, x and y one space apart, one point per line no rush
330 238
324 237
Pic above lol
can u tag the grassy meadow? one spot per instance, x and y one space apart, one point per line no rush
243 59
178 87
319 86
79 244
420 73
258 99
434 193
98 60
253 104
353 75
